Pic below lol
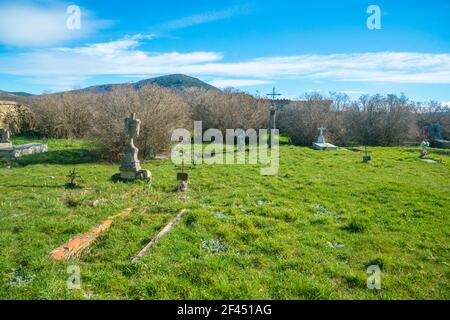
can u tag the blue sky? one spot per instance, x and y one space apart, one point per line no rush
296 46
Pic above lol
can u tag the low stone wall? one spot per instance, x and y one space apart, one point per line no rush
18 151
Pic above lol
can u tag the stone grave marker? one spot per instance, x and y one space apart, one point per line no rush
130 168
321 144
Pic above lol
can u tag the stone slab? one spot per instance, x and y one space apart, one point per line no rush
443 144
429 160
23 150
324 146
5 145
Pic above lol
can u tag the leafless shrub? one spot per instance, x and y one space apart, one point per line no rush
22 120
372 120
433 112
158 108
229 110
300 119
67 115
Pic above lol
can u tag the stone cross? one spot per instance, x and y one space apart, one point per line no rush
321 138
130 164
241 141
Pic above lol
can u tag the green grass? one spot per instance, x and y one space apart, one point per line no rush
246 236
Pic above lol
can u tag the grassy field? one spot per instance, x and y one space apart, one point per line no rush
245 236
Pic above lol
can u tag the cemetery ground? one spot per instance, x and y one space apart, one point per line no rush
309 232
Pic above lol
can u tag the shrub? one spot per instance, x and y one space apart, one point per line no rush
65 116
300 120
229 110
160 112
372 120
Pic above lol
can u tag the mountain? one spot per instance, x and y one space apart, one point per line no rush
11 95
173 81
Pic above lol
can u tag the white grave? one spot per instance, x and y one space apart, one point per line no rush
321 144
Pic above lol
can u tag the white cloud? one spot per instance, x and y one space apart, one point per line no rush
36 26
224 83
123 57
446 103
202 18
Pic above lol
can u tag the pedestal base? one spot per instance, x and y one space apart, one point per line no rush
324 146
443 144
130 175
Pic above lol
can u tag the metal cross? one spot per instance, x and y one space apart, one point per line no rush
273 94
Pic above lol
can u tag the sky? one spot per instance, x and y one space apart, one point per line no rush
296 46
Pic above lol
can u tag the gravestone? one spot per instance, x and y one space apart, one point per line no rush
130 168
321 144
241 141
8 151
4 139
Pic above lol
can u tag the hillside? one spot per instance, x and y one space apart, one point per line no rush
174 81
13 96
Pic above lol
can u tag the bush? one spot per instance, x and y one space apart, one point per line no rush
160 112
65 116
300 120
229 110
372 120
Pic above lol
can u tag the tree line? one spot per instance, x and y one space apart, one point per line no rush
375 120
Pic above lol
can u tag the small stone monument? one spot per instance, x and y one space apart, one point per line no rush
241 141
183 177
321 144
8 151
130 169
4 139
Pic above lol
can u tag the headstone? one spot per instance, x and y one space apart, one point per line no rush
4 136
130 168
241 141
321 138
4 139
321 144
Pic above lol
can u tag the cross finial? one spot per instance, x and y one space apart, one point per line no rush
273 94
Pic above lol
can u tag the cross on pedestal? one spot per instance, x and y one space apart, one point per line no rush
321 137
273 94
